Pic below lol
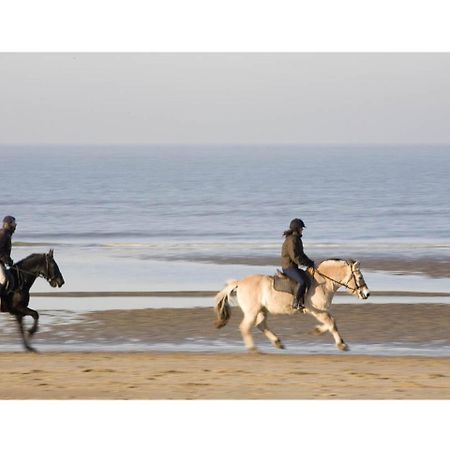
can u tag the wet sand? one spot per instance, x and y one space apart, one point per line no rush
431 266
360 323
225 376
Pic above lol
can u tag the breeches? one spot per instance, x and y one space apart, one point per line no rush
296 274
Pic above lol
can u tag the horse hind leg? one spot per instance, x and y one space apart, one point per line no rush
245 327
261 323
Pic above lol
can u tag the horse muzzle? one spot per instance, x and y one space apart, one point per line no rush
56 282
364 294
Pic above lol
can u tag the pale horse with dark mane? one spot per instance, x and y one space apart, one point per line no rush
257 297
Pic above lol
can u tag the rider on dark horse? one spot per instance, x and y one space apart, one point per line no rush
292 256
6 232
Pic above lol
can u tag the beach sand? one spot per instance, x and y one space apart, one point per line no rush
239 375
220 376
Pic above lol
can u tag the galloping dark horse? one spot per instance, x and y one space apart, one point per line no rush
22 276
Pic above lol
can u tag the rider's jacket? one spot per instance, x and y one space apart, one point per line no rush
292 254
5 246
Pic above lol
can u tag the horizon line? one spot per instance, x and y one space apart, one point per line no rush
225 144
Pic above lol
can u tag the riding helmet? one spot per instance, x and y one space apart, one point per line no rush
296 224
9 219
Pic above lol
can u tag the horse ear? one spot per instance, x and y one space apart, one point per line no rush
356 265
50 253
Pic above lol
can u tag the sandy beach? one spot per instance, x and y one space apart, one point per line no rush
224 376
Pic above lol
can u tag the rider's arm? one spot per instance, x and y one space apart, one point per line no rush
301 258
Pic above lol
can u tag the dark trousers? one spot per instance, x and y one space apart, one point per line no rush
300 277
296 274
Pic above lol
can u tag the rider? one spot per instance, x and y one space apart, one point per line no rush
292 256
9 226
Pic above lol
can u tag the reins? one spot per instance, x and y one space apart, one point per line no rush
37 275
338 282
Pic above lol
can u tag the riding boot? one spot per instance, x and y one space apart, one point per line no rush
299 294
3 307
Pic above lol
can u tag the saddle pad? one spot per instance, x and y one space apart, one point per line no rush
284 284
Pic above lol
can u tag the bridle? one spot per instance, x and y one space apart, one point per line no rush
37 275
352 277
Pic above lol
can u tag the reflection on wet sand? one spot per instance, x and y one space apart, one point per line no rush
383 329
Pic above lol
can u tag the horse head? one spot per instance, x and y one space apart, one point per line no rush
51 271
356 283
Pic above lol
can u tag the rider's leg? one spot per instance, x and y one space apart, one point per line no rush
3 307
299 296
2 279
299 293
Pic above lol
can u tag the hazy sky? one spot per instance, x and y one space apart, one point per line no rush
247 98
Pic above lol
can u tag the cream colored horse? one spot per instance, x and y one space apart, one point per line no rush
256 297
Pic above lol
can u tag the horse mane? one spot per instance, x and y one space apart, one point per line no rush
348 261
29 259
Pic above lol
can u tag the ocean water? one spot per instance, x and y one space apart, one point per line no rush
168 218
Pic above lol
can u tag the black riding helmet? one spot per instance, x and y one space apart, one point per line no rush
9 221
296 224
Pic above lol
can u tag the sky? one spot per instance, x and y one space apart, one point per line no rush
224 98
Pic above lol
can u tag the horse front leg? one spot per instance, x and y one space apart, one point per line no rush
329 324
25 342
25 311
35 315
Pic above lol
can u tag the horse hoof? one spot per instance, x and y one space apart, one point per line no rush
343 346
254 351
30 349
279 344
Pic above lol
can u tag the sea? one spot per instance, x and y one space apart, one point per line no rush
187 218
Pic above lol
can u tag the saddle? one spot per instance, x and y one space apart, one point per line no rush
282 283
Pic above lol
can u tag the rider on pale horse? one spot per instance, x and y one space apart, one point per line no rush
292 256
9 226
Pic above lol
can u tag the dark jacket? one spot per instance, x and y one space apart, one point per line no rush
5 246
292 254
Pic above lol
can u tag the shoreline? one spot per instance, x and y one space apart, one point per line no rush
96 294
432 265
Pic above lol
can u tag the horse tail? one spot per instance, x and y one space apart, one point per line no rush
222 309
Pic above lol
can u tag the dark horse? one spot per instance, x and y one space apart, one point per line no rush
22 276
